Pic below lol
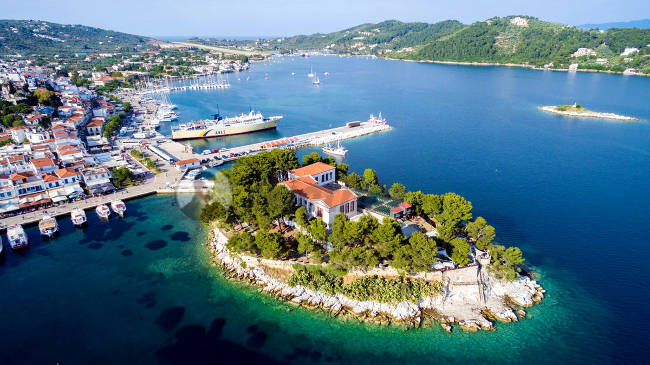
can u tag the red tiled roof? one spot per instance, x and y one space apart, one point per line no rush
405 205
312 169
49 178
307 187
71 152
186 162
95 123
42 162
66 172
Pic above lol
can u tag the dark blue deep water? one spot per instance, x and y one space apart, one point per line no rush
572 193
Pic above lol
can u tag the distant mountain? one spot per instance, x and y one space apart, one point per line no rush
643 24
31 37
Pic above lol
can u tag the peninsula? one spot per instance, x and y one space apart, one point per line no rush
577 111
320 237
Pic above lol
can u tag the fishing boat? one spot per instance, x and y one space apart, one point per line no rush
337 150
316 81
78 217
102 211
377 120
17 237
48 226
118 207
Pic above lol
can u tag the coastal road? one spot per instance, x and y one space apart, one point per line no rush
238 52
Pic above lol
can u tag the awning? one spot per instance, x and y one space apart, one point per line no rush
9 205
73 189
58 195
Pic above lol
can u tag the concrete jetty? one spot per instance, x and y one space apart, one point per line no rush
322 137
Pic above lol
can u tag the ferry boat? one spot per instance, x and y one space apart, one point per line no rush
17 237
219 127
102 211
118 207
377 120
78 217
48 226
336 151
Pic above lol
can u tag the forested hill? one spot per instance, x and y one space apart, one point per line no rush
35 37
387 35
527 40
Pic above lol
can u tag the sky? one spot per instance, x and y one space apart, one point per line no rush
237 18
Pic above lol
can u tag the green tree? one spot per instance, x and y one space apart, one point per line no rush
481 232
455 209
214 211
302 217
122 177
417 255
504 262
337 237
280 202
397 191
318 230
271 245
387 237
354 181
43 95
431 204
459 251
243 242
370 177
311 158
415 198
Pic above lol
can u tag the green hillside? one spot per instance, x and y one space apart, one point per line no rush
35 37
528 40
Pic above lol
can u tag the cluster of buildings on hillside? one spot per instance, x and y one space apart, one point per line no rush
69 159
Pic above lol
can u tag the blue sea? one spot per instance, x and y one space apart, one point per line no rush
572 193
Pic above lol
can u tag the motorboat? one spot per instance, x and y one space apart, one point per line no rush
17 237
78 217
118 207
102 211
48 226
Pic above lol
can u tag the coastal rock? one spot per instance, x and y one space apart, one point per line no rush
464 303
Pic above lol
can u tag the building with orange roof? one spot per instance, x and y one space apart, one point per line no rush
43 165
311 188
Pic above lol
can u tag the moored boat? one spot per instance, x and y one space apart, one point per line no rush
118 207
48 226
78 217
337 150
220 127
17 237
1 247
102 211
377 120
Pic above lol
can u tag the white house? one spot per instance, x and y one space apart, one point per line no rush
187 164
308 185
97 179
43 165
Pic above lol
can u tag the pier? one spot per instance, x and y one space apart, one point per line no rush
318 138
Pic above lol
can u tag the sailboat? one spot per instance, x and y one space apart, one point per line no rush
336 151
316 81
311 72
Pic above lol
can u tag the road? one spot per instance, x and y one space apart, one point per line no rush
222 49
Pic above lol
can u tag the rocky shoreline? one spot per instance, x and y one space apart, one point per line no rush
586 114
472 306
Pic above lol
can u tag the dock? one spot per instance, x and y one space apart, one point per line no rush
318 138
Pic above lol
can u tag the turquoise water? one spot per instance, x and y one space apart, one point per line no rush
571 193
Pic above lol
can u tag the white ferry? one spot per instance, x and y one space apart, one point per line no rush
48 226
17 237
78 217
218 127
118 207
102 211
337 150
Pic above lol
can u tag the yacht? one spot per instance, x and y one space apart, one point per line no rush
48 226
336 151
102 211
118 207
17 237
78 217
